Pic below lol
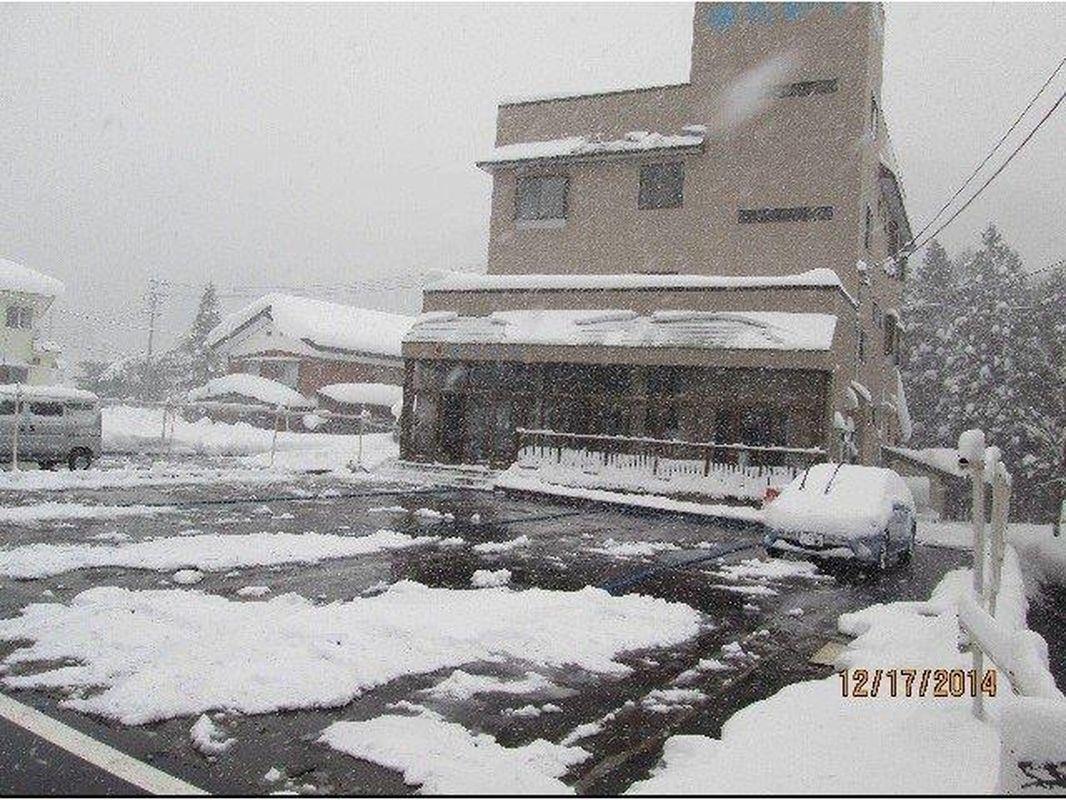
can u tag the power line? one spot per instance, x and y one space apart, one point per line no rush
995 174
988 157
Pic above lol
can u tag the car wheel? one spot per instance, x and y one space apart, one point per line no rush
79 459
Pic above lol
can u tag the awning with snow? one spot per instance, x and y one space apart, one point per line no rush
762 330
582 148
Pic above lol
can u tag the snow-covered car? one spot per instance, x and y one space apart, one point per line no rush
843 511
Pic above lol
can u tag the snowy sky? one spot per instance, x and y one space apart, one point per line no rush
332 147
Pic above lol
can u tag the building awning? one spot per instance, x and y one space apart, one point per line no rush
762 330
582 148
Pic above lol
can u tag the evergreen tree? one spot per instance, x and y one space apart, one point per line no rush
928 314
203 363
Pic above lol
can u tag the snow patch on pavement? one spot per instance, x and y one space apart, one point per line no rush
632 549
206 552
501 547
442 757
51 511
157 654
208 738
483 578
462 685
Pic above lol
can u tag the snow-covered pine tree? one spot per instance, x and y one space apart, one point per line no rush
203 363
929 310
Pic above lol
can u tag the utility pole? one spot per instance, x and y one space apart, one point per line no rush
153 298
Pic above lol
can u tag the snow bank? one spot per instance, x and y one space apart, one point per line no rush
164 653
462 685
370 394
205 552
808 739
444 758
18 278
253 387
844 500
321 324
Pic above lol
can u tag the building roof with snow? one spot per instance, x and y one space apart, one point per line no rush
18 278
249 387
365 394
582 148
763 330
320 325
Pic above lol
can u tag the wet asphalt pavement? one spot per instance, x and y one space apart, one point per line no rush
560 556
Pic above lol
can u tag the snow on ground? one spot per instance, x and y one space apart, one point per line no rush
769 569
632 549
521 483
502 547
51 511
461 685
442 757
253 591
253 387
132 429
208 739
807 738
666 700
157 654
483 578
1038 550
207 552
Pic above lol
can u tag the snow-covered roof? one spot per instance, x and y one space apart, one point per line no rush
252 387
17 278
858 502
473 282
942 459
762 330
370 394
584 147
321 324
38 392
517 100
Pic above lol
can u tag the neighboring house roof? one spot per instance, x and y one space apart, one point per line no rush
252 387
321 325
473 282
369 394
41 392
584 148
17 278
763 330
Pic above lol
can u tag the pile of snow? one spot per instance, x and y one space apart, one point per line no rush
484 578
632 549
18 278
208 739
769 569
130 429
808 739
320 324
253 388
163 653
442 757
206 552
366 394
843 500
462 685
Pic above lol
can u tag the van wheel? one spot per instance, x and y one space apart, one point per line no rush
79 459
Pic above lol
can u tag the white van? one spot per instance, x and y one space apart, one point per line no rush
56 424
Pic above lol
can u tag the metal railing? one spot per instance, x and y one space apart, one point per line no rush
707 469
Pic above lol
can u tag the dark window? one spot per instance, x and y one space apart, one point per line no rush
890 335
10 374
798 214
873 116
868 228
893 237
540 197
19 317
7 408
664 380
807 88
661 185
46 409
862 347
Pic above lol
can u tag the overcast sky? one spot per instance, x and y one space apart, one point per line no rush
327 147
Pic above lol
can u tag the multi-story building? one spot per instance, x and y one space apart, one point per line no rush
25 297
717 260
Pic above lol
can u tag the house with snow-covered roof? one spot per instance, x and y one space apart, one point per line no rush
714 260
25 297
306 344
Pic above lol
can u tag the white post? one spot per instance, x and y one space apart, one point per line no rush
1000 511
15 429
274 439
972 455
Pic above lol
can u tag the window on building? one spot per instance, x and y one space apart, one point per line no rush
20 317
10 374
892 229
289 373
807 88
874 114
46 409
862 347
661 185
796 214
891 335
541 197
868 228
876 313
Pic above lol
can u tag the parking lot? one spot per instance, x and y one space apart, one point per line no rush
760 619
